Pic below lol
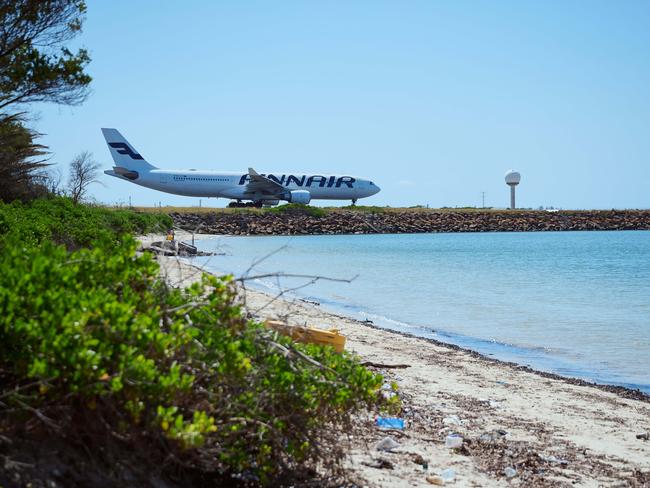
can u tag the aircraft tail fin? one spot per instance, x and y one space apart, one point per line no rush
123 153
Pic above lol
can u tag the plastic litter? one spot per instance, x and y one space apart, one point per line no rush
493 435
387 391
453 441
449 475
389 423
386 444
452 420
553 460
311 335
510 472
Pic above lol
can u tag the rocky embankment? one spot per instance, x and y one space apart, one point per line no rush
408 221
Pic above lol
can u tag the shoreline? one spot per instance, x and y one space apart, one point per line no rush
620 389
623 389
578 432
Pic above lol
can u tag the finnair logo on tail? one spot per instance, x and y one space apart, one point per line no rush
123 148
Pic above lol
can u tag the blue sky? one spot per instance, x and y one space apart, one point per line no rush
433 100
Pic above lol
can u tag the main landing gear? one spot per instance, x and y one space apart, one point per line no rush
240 204
354 202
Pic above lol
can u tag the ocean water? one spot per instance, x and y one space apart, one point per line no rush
572 303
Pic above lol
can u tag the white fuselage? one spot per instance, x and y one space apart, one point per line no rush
262 189
201 183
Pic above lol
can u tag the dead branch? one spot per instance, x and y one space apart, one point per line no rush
46 420
385 366
280 274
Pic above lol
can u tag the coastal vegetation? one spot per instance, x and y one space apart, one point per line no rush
298 209
35 66
101 359
107 374
59 220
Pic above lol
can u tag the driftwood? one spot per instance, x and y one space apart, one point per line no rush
177 248
385 366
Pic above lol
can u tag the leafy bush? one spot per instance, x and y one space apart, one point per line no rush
299 208
97 329
60 220
364 208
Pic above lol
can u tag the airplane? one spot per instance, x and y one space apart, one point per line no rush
258 189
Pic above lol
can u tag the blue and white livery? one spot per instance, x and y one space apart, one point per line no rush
258 189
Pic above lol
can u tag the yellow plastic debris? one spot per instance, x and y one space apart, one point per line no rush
310 335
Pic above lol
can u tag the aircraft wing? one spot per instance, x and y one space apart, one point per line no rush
261 184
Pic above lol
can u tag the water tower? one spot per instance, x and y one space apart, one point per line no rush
512 179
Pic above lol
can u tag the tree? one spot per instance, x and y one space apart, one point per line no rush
83 172
51 178
22 161
35 66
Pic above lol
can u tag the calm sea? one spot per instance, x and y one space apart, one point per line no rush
573 303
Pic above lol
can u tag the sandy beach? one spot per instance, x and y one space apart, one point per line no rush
519 427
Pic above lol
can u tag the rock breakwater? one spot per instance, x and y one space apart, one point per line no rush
392 221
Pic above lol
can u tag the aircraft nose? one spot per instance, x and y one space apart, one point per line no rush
375 190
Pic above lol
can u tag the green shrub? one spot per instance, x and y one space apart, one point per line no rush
364 208
60 220
97 329
298 209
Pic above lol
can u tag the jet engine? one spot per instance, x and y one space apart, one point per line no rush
299 196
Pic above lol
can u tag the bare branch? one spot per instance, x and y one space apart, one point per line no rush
263 258
46 420
282 293
292 275
84 171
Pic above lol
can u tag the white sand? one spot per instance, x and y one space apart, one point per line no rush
593 430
